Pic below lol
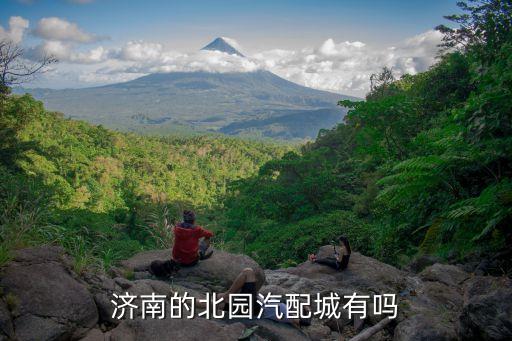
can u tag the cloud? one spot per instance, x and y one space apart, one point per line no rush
58 29
17 28
140 51
345 67
65 52
152 57
342 67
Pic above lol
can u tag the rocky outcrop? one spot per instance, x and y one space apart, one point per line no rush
45 300
216 273
487 311
448 274
363 273
424 327
197 329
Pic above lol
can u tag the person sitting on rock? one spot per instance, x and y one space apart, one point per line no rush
336 262
191 241
245 283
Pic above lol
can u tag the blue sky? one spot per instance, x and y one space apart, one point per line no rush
258 26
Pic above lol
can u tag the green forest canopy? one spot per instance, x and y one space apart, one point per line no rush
105 195
423 165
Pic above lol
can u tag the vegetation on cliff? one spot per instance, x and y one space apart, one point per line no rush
424 164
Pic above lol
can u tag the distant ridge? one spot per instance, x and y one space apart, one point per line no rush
257 103
220 44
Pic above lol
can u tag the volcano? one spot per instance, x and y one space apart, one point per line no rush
257 103
221 44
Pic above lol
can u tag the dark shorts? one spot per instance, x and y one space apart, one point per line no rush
249 288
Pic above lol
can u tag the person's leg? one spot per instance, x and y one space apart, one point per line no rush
246 279
329 261
247 275
204 245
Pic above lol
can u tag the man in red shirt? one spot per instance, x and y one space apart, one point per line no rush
188 247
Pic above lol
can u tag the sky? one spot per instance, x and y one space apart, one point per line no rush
333 45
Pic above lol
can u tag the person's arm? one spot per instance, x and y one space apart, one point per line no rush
204 233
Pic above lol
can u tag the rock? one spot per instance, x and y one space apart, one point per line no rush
176 329
158 287
290 283
100 282
337 324
419 263
318 332
272 330
50 302
123 283
35 328
114 271
448 274
487 311
41 254
95 335
364 273
105 309
482 285
6 327
142 260
423 327
219 271
442 296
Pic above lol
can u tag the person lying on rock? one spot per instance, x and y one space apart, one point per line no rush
336 262
191 241
245 283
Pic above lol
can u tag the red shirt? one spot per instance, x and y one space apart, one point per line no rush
186 243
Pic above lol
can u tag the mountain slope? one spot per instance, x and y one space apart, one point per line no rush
201 101
221 45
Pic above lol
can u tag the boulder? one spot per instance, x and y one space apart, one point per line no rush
214 273
105 309
423 327
6 327
448 274
272 330
124 283
142 260
176 329
364 273
42 254
420 262
318 331
50 302
487 311
96 335
100 282
35 328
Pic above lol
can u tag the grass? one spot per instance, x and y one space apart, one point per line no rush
12 302
5 254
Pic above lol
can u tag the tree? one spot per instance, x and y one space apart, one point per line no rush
381 83
484 26
15 69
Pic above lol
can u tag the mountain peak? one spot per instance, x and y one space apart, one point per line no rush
222 44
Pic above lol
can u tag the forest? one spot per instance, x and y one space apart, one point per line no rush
105 195
422 166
